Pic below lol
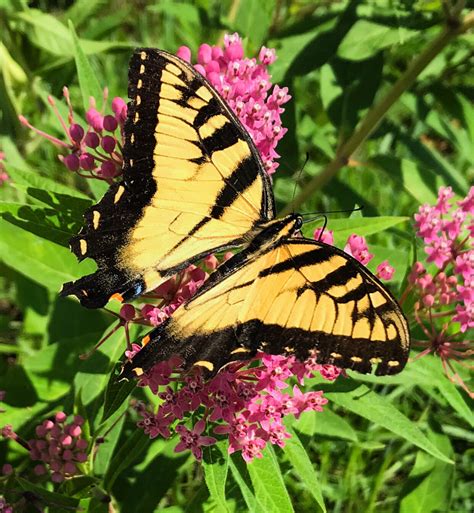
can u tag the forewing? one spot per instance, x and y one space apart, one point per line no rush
297 297
193 183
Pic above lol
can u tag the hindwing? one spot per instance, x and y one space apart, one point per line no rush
293 298
193 183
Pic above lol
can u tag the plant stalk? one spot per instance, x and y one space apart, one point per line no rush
377 113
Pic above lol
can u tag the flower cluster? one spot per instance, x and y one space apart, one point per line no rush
5 507
93 151
444 284
59 446
356 246
245 85
245 403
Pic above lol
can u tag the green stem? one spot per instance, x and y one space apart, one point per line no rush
378 111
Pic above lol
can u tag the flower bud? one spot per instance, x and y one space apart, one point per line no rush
71 161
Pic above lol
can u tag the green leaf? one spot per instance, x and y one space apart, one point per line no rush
50 498
268 483
366 38
133 448
42 261
326 423
253 19
88 81
240 473
303 466
215 464
379 410
31 178
430 482
106 449
360 225
117 392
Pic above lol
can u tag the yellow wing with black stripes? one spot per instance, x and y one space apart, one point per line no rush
193 183
291 297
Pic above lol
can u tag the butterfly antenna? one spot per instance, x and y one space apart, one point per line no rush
297 181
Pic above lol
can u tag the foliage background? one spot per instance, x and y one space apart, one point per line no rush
387 444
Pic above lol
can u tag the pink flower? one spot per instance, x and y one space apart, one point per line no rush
357 247
326 236
385 271
193 439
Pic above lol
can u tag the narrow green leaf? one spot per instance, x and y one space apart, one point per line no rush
254 19
117 392
216 465
106 449
268 483
381 411
130 451
241 476
325 423
302 465
50 498
88 81
360 225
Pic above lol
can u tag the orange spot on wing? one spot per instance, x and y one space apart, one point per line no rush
145 340
117 296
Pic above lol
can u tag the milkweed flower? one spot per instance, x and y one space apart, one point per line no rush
444 283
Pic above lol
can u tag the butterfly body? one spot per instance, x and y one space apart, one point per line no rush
194 183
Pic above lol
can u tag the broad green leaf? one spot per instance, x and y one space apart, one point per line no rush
366 38
216 465
40 260
253 19
31 178
88 81
268 483
303 466
325 423
429 484
133 448
379 410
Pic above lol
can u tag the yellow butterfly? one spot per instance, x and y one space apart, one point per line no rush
193 184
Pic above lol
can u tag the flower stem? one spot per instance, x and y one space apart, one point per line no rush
376 114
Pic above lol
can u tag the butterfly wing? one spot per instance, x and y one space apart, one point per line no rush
193 183
297 296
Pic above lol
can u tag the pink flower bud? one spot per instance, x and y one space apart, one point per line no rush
200 69
66 440
60 416
68 455
7 469
385 271
127 312
76 132
326 236
39 470
56 466
81 444
40 430
92 140
184 53
110 123
118 104
71 161
81 457
428 300
70 468
108 143
56 477
79 420
204 54
87 161
108 169
75 430
95 119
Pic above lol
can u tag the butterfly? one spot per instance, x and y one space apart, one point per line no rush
194 184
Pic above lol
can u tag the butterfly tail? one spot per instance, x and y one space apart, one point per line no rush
95 290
